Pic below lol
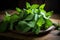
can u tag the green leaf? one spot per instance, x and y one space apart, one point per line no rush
22 22
28 5
18 9
37 31
32 12
22 26
6 17
49 14
21 15
43 12
40 22
28 11
29 17
36 10
34 6
48 23
31 24
42 6
14 18
36 17
3 26
26 29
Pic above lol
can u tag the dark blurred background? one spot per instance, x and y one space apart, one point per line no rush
12 4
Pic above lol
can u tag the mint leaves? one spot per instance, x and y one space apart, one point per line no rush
33 17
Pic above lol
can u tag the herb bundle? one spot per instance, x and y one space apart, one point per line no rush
32 18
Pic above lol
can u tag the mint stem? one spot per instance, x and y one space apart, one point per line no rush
11 26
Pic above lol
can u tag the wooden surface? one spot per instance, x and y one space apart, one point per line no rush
51 36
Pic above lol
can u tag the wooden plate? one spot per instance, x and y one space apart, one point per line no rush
42 33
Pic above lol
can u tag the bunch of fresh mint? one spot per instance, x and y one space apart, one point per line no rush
32 18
